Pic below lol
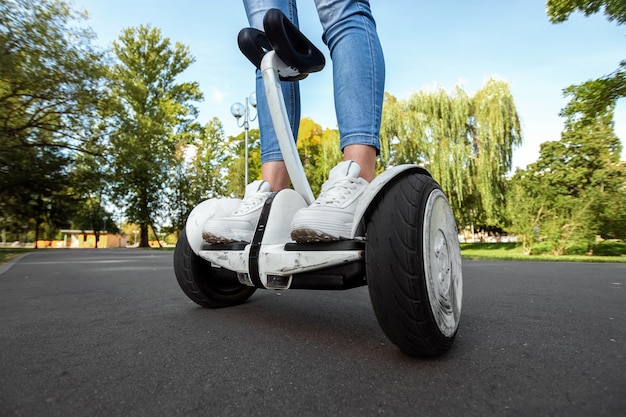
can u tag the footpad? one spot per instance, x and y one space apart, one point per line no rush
235 246
339 245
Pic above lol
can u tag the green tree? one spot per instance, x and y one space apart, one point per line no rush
198 174
153 113
560 10
318 149
36 193
592 98
90 186
50 75
319 152
50 84
575 191
233 161
526 205
465 142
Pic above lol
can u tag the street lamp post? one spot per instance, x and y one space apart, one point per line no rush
239 110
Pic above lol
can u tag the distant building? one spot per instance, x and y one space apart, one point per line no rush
84 239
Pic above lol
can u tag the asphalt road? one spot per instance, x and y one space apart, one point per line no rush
110 333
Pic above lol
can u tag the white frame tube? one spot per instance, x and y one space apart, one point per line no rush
270 66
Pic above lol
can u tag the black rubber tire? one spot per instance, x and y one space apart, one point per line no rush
203 284
395 268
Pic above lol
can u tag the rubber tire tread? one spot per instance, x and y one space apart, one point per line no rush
395 268
207 286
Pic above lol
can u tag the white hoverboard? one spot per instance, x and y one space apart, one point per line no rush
403 244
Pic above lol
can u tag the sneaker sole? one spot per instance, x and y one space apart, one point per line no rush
312 236
218 240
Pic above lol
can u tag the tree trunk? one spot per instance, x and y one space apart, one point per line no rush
37 224
143 239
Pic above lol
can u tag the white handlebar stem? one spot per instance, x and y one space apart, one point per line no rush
270 65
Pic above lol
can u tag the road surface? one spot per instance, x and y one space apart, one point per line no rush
110 333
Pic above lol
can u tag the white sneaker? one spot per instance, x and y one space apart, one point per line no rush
330 217
240 225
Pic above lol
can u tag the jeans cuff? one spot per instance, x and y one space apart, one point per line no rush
271 157
357 139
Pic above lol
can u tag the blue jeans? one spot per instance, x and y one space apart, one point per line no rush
349 31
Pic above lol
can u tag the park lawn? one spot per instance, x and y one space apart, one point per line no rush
6 254
613 251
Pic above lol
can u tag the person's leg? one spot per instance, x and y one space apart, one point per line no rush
358 81
275 172
273 168
240 225
365 156
358 77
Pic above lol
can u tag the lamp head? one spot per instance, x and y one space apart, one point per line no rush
237 110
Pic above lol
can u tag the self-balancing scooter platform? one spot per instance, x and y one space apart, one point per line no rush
404 244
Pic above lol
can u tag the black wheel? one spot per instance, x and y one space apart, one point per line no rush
203 284
413 265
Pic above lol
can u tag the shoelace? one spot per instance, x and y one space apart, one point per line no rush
337 193
251 202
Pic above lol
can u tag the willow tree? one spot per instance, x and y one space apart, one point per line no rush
466 142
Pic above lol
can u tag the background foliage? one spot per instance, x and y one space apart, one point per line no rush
91 139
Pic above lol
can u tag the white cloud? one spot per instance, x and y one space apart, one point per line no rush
218 95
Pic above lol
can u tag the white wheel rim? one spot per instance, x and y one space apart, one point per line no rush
442 263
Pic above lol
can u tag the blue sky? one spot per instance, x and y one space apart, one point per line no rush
426 43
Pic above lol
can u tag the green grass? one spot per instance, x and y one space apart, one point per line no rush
608 251
6 254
